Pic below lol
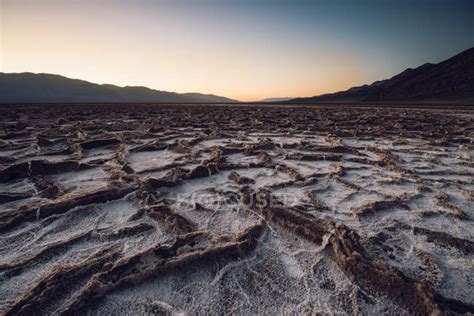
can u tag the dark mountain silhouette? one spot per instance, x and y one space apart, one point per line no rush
450 80
45 88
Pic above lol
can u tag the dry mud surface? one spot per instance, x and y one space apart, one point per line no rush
143 210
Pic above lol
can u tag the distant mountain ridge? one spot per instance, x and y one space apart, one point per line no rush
276 99
45 88
449 80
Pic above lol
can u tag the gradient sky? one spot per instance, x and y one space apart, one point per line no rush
247 50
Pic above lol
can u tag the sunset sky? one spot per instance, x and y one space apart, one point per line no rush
247 50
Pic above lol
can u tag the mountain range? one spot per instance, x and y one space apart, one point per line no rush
450 81
277 99
48 88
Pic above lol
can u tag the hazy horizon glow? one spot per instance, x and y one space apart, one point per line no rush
246 50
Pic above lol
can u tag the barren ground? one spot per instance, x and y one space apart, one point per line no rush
144 209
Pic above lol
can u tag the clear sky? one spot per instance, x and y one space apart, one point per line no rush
247 50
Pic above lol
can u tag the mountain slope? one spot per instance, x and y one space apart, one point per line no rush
450 80
44 88
199 97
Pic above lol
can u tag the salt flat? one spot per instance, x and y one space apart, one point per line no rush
147 209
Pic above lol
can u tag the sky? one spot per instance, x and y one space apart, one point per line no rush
246 50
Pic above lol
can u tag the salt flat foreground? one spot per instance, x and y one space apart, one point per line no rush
110 209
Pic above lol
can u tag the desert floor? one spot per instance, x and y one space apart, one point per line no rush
148 209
